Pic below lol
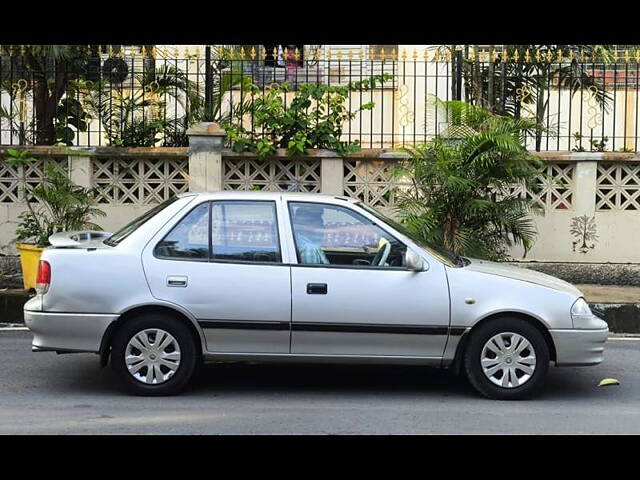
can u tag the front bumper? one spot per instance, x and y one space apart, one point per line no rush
67 332
578 347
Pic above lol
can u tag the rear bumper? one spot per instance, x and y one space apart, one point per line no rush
575 347
67 332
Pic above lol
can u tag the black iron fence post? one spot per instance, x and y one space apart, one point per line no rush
208 86
457 93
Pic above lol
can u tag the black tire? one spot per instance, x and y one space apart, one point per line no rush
472 356
189 358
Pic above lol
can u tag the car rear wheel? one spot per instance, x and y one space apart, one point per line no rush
154 354
506 359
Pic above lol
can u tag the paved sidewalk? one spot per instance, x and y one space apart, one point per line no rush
610 293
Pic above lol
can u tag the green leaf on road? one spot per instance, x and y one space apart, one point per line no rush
608 381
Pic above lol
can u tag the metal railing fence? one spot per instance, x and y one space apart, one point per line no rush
146 97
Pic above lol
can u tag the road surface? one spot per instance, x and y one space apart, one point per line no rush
45 393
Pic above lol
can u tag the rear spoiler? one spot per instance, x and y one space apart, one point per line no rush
76 239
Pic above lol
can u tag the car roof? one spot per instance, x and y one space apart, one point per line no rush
242 195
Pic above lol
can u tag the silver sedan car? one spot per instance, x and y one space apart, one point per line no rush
256 276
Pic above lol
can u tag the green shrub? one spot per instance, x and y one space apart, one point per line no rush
314 118
59 204
462 182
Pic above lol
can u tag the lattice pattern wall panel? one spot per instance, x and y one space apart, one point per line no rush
618 187
12 178
274 175
139 181
370 182
556 187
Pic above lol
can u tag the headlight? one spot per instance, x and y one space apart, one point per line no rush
580 313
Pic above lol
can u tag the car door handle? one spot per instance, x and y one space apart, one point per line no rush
176 281
317 288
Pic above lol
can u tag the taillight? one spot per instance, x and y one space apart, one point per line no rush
43 279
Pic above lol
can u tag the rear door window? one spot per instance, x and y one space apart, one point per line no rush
245 231
227 231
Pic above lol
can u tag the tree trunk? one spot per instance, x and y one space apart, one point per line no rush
46 101
44 112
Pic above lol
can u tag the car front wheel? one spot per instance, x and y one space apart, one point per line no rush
154 354
506 359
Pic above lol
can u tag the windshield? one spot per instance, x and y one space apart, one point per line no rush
131 227
448 258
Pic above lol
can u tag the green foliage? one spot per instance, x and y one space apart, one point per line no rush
68 111
18 157
48 72
515 84
313 118
534 73
59 205
138 119
596 146
460 197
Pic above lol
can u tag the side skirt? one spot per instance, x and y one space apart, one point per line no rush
314 358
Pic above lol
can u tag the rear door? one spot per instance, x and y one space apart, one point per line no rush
223 263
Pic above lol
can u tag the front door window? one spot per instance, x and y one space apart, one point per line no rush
332 235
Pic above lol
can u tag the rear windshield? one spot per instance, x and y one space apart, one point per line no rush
131 227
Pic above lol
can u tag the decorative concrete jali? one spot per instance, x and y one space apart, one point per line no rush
591 200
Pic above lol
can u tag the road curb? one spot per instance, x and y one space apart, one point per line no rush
621 317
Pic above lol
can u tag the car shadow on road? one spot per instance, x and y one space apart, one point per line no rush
560 384
250 378
309 378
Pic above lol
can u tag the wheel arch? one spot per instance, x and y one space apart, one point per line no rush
105 344
537 323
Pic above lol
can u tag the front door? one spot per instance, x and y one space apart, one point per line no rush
222 262
351 293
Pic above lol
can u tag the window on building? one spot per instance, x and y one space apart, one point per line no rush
378 51
278 59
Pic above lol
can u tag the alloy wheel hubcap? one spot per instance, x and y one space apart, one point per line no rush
152 356
508 360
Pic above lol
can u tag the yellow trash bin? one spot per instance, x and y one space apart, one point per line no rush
29 259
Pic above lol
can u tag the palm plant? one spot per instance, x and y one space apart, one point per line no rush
503 86
228 75
135 116
54 205
461 184
162 100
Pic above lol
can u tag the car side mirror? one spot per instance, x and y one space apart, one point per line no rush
414 262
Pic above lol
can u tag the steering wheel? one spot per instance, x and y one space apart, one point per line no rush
384 248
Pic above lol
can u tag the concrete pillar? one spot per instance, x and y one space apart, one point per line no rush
206 174
585 187
630 121
80 170
331 176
